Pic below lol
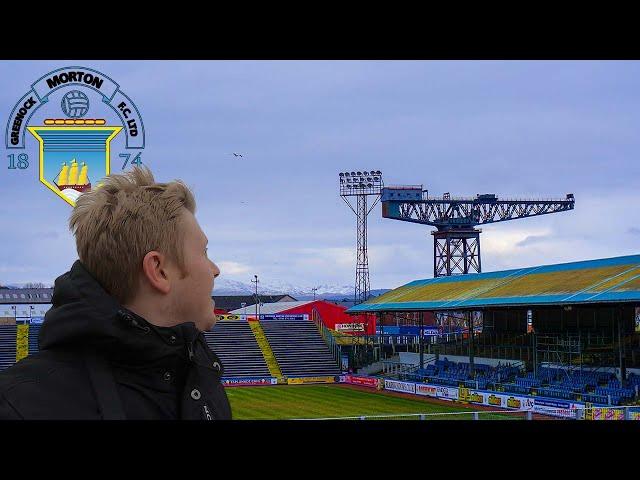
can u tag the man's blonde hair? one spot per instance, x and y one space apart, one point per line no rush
120 221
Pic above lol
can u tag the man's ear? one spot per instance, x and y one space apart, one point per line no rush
154 267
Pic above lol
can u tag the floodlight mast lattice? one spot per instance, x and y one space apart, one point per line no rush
361 184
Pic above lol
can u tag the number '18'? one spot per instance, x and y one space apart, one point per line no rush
23 161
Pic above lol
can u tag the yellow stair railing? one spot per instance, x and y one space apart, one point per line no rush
267 353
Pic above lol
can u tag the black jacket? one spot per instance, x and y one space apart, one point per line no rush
98 360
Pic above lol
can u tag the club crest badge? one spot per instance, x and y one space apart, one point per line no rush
71 117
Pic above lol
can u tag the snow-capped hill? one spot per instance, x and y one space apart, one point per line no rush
275 287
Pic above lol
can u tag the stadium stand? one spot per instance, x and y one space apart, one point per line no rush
299 348
34 332
633 380
7 346
233 341
446 372
590 386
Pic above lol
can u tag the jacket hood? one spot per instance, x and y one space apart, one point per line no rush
85 315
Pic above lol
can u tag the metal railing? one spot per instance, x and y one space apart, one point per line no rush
471 198
626 412
468 415
327 337
397 368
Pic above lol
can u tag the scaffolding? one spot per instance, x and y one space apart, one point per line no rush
559 350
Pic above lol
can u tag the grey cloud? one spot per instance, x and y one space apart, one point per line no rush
532 240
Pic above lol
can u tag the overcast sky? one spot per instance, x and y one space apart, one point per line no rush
518 129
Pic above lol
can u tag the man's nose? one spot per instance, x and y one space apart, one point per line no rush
216 270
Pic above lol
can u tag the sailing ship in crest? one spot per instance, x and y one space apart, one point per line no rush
74 177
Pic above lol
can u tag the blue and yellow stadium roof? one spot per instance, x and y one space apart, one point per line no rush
592 281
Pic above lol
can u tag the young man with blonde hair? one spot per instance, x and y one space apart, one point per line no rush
123 339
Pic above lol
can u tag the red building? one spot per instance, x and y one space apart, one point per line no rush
332 315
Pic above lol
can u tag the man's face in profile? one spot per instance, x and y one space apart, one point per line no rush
193 293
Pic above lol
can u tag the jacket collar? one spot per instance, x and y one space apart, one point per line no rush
85 315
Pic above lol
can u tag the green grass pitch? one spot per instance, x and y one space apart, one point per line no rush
321 401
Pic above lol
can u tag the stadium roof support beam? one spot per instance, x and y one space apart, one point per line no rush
621 350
